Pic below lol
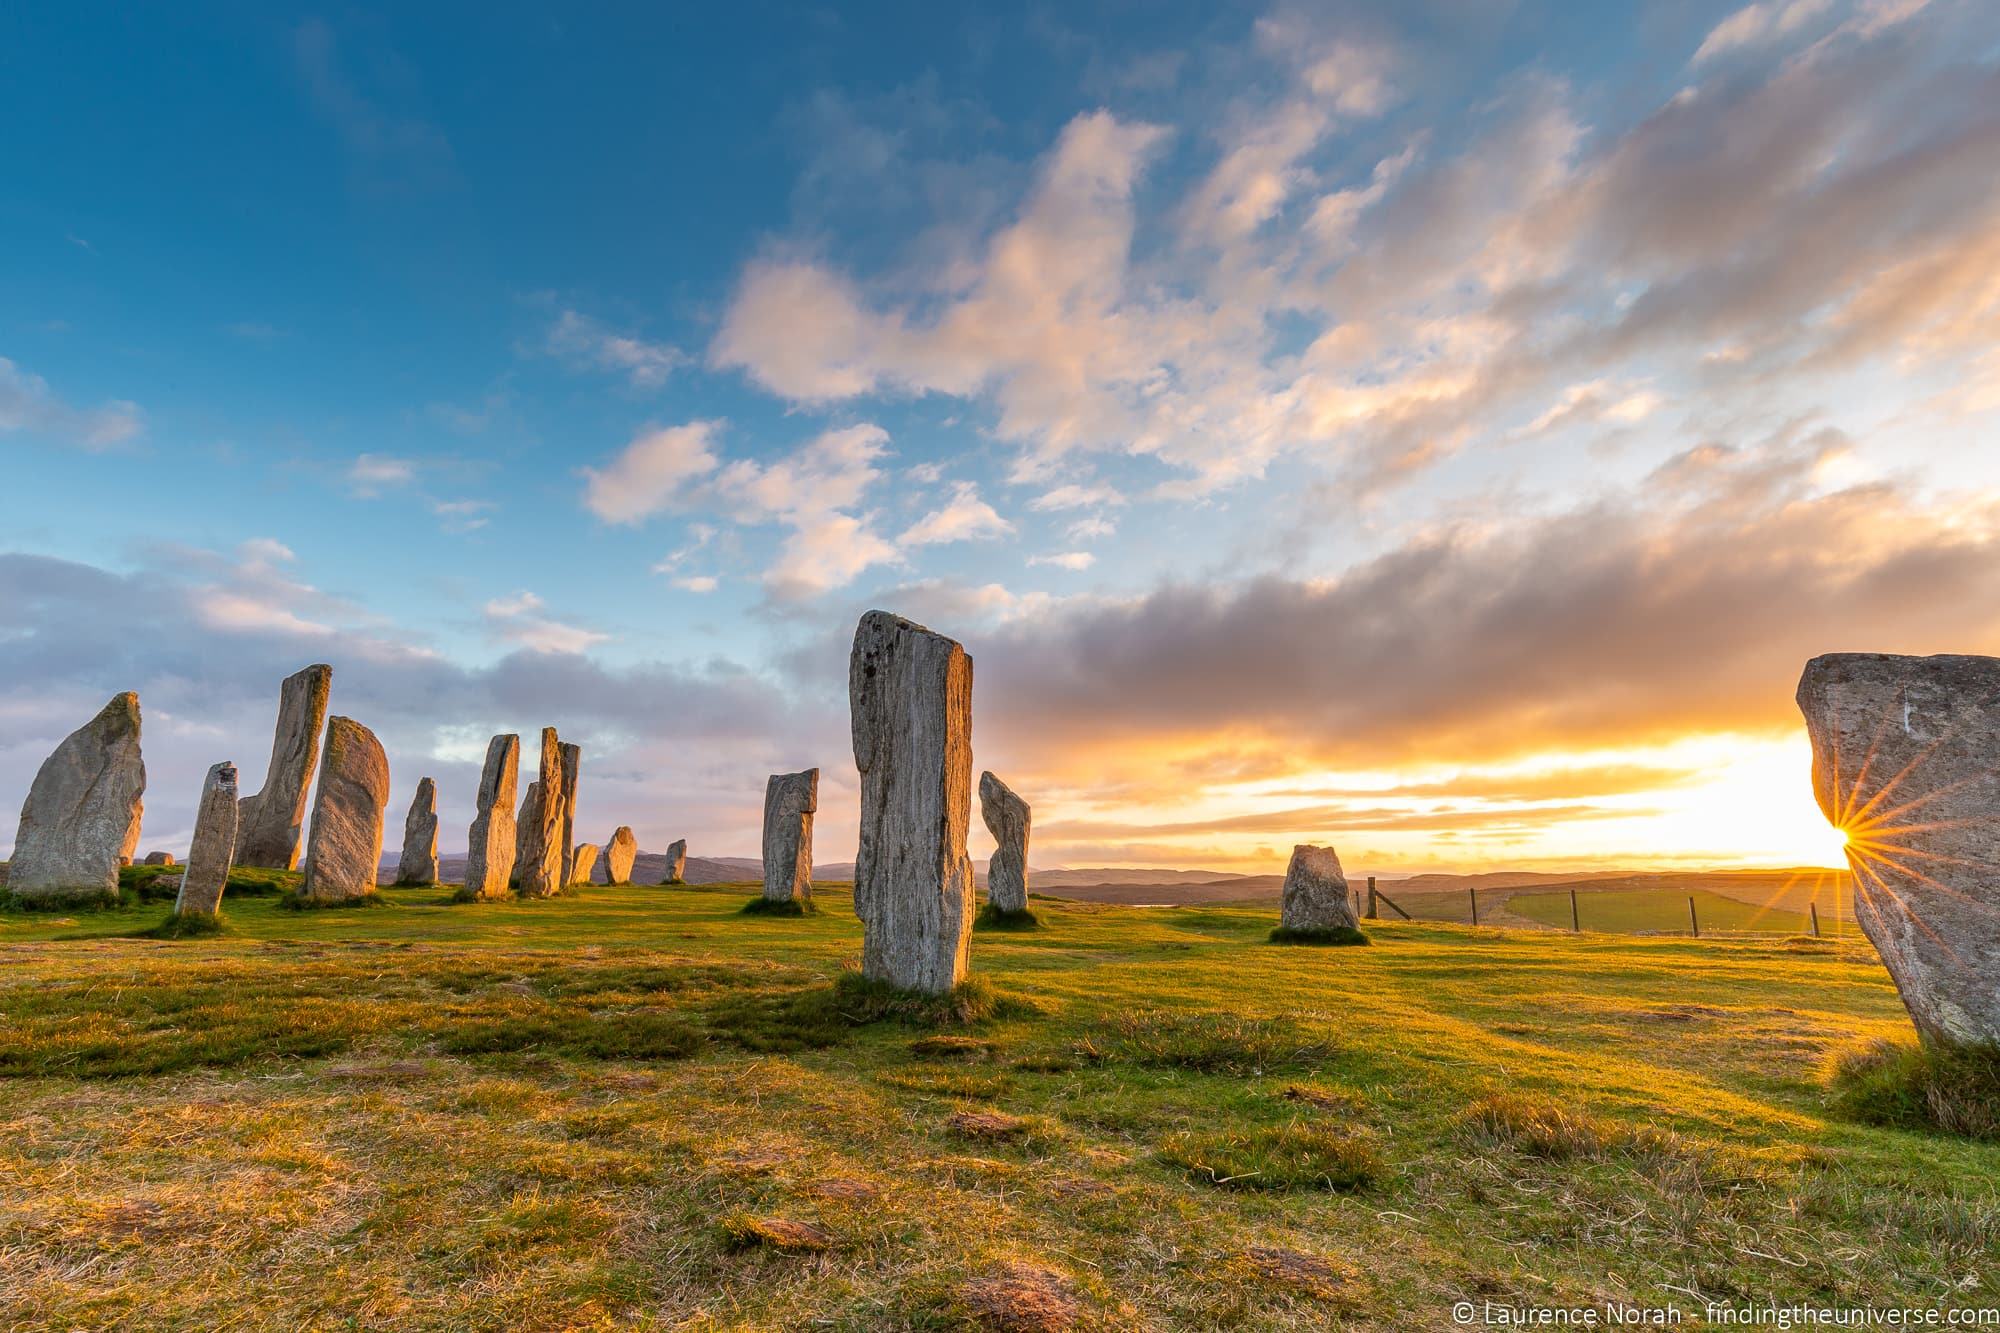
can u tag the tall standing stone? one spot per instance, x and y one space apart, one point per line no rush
267 827
527 820
1006 817
790 800
1906 762
619 854
344 849
909 695
584 862
541 869
489 859
677 862
1316 898
83 811
214 848
419 862
572 765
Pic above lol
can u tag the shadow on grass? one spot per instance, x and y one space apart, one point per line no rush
993 918
761 906
1332 936
1953 1089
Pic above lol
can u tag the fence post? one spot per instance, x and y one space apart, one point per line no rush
1694 922
1474 895
1575 922
1814 909
1371 897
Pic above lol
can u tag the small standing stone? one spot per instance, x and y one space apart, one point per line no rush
214 846
158 859
572 766
1316 897
1006 817
790 799
909 694
619 854
419 861
489 861
83 810
267 832
344 851
541 867
584 862
677 862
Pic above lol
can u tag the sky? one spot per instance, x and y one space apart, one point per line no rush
1444 430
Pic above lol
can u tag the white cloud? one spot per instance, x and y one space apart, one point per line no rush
582 341
519 619
28 404
649 474
371 474
965 517
1071 560
1754 25
1091 527
825 552
696 583
462 515
1075 497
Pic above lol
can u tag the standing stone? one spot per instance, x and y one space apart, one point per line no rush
1006 817
526 820
267 829
83 810
214 846
1906 762
419 861
1316 897
584 862
572 764
489 858
677 862
619 854
909 694
790 800
344 851
158 859
541 867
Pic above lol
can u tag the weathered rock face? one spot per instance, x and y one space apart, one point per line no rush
677 861
527 820
584 862
540 871
618 856
419 862
790 801
489 861
158 859
909 696
1006 817
344 850
572 766
1906 761
83 809
214 846
267 829
1316 896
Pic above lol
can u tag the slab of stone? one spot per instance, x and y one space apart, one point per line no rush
790 801
267 829
83 811
584 862
1906 762
677 862
619 854
540 870
158 859
1006 817
213 850
489 861
909 694
572 766
418 863
344 849
527 820
1316 897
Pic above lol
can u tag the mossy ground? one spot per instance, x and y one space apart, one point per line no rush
636 1109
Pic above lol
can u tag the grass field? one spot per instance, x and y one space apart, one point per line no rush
1640 911
640 1108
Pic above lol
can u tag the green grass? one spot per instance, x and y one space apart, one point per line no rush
762 906
1332 936
1636 911
631 1109
1952 1089
993 918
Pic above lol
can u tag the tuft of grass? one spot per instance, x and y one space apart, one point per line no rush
1299 1155
1205 1043
640 1035
186 926
1335 936
950 1046
1536 1126
293 900
743 1231
864 1000
1954 1089
992 918
762 906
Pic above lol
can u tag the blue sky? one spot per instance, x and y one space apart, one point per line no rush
1269 396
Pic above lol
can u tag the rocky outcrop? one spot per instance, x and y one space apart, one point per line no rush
1006 817
267 827
618 856
344 849
83 811
1906 762
213 850
677 860
540 871
790 800
584 862
1316 898
489 861
419 862
909 694
572 765
158 859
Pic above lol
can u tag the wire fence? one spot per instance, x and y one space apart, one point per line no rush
1819 906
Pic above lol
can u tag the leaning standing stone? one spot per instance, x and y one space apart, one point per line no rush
584 862
572 765
790 799
619 854
344 851
541 867
82 812
419 861
214 846
1006 817
1316 899
909 694
267 832
1906 762
489 858
677 861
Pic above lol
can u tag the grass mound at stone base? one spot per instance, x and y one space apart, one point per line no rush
1335 935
